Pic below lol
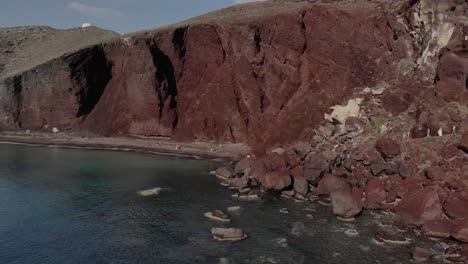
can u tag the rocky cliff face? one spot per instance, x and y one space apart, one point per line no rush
262 73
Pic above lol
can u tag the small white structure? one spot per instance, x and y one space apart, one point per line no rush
55 130
85 25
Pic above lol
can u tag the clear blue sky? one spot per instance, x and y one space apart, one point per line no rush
123 16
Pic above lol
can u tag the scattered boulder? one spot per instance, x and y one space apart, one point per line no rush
331 183
243 165
383 168
238 183
438 228
460 231
277 180
302 149
375 194
292 158
218 215
297 171
225 172
275 162
301 185
228 234
416 208
456 206
388 148
347 203
315 166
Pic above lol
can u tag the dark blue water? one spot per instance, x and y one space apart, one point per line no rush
76 206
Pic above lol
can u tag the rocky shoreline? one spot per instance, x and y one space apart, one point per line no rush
421 182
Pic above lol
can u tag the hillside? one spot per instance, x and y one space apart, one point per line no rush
23 48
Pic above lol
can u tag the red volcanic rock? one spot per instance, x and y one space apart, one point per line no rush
456 206
292 158
301 185
276 181
297 171
275 162
257 171
225 172
419 207
383 168
375 194
331 183
347 203
460 230
302 149
449 152
435 173
315 166
243 165
464 142
438 228
388 148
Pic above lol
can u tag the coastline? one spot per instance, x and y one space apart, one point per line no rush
136 144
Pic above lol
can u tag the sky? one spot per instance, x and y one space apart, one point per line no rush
122 16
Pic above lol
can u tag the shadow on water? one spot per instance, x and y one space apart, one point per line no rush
76 206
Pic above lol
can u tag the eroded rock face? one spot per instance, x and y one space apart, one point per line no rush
231 81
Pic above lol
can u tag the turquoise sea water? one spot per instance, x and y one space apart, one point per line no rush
80 206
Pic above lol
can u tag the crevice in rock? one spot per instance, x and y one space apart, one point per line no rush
257 40
262 93
165 82
178 40
232 134
221 44
303 31
18 97
91 71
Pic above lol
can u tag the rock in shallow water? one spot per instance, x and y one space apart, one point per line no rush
228 234
150 192
218 215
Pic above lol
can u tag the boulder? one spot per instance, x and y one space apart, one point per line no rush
302 149
276 180
460 230
375 194
347 203
331 183
228 234
239 183
435 173
438 228
218 215
383 168
301 185
315 166
275 162
388 148
243 165
416 208
421 254
292 158
297 171
456 206
225 172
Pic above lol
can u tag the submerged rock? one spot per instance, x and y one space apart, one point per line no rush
228 234
150 192
218 215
